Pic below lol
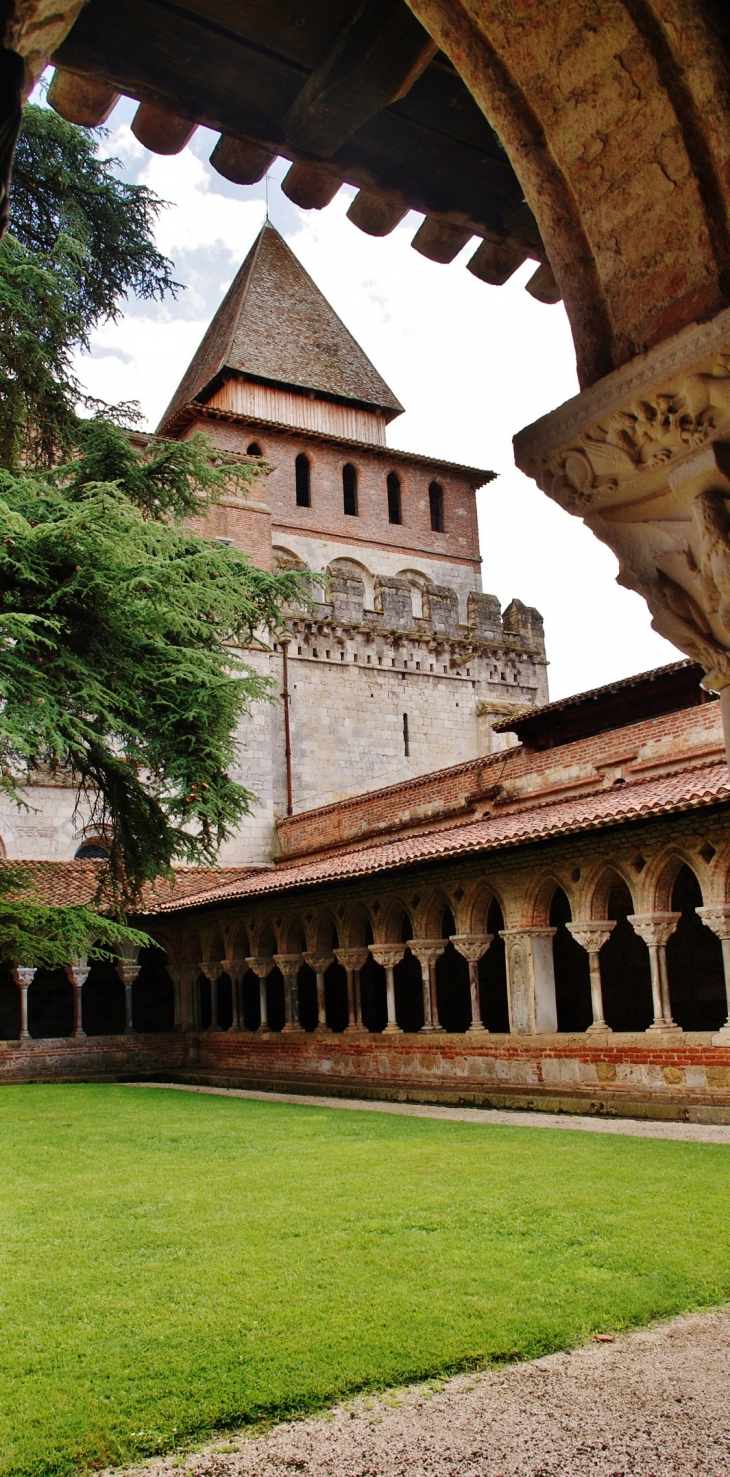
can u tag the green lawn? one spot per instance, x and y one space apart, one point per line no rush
173 1263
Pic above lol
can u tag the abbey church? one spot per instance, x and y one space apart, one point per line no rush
405 665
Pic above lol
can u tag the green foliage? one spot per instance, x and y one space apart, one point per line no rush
48 937
118 662
171 1263
79 241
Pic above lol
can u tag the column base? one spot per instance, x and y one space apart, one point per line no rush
392 1030
356 1030
323 1031
130 1031
722 1037
664 1028
292 1028
599 1028
432 1031
211 1030
263 1030
80 1035
477 1028
24 1037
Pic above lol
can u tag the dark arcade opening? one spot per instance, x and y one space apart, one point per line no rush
153 995
275 1000
225 1002
250 1001
335 994
408 993
452 982
51 1004
625 969
103 1006
9 1007
694 962
307 998
572 970
493 976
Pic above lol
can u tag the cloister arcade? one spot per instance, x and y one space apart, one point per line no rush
620 943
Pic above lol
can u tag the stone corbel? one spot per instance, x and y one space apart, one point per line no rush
643 456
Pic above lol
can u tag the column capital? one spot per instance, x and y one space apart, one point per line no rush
261 964
78 973
654 928
427 951
320 963
509 934
23 975
212 969
289 964
591 933
717 917
128 971
234 968
353 959
387 955
472 945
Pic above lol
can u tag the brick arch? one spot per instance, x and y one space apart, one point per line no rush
239 942
573 93
472 912
539 897
322 930
391 923
355 926
292 935
719 876
264 938
663 874
428 920
599 885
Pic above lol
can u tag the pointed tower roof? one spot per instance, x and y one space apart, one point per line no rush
275 325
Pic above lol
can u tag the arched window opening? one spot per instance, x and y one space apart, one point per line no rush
625 969
694 962
349 490
394 505
436 506
254 449
301 480
572 970
92 851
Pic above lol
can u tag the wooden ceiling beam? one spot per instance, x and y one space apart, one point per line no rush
495 261
161 131
439 240
310 186
81 100
241 162
375 60
377 214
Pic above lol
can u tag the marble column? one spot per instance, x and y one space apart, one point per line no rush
128 969
78 973
352 961
213 969
530 980
388 955
320 963
656 930
592 934
427 951
472 946
717 917
23 975
262 966
290 965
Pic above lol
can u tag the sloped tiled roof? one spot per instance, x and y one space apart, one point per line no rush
687 790
275 325
74 883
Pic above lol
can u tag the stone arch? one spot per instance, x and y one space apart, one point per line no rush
429 918
264 941
602 882
293 935
356 927
286 558
539 897
419 584
323 933
662 875
472 911
354 570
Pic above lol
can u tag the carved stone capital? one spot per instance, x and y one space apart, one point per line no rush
472 945
427 951
261 965
128 972
716 917
643 457
212 969
289 964
352 959
23 975
78 974
320 963
234 968
388 955
654 928
592 933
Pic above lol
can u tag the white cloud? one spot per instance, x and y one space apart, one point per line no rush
471 363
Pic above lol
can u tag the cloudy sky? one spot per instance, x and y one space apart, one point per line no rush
471 363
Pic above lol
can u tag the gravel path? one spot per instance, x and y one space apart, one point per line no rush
653 1404
698 1133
